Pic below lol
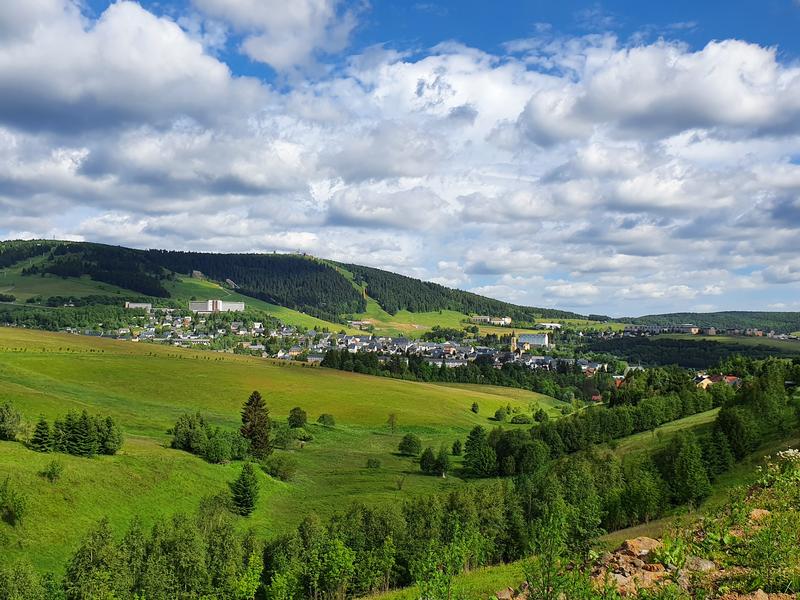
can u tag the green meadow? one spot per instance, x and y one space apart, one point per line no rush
146 387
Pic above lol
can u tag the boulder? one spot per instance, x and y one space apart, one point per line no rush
697 564
506 594
759 514
640 547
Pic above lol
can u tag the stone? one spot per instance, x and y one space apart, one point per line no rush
758 514
697 564
640 546
506 594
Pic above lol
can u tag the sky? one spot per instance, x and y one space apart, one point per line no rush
620 158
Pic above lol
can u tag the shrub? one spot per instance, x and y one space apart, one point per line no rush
327 420
297 417
52 472
373 463
521 419
427 462
7 298
13 504
190 433
280 467
500 415
217 448
410 445
10 421
223 446
475 408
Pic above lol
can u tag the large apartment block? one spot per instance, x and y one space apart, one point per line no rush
214 306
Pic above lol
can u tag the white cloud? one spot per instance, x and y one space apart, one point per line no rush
286 34
575 172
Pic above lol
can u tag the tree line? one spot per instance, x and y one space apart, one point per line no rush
398 292
77 433
687 352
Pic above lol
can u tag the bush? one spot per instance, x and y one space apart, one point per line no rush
190 433
427 462
52 472
280 467
327 420
373 463
297 417
7 298
521 419
10 422
500 415
475 408
13 504
410 445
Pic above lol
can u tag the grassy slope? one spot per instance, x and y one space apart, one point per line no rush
788 345
147 386
23 287
484 583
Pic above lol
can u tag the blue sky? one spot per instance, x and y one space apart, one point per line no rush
616 157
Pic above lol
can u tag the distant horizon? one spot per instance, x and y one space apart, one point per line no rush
610 157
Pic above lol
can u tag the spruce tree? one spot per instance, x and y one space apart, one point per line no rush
457 448
245 490
86 436
256 425
689 477
41 440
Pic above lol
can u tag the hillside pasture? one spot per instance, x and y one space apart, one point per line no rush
146 387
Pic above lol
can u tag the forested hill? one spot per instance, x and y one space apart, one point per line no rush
397 292
782 322
290 280
313 286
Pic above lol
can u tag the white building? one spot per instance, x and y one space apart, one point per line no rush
214 306
142 305
526 341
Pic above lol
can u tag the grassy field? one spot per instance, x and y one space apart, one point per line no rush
650 440
146 387
24 287
787 345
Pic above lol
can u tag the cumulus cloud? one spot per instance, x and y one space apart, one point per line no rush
129 66
574 171
286 34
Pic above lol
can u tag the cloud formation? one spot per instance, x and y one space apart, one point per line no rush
579 172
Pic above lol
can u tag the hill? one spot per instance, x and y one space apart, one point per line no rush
318 288
146 387
780 322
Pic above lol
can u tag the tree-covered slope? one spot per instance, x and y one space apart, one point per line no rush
397 292
782 322
297 282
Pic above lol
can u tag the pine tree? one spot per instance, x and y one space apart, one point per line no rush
457 448
86 436
41 440
256 425
245 490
